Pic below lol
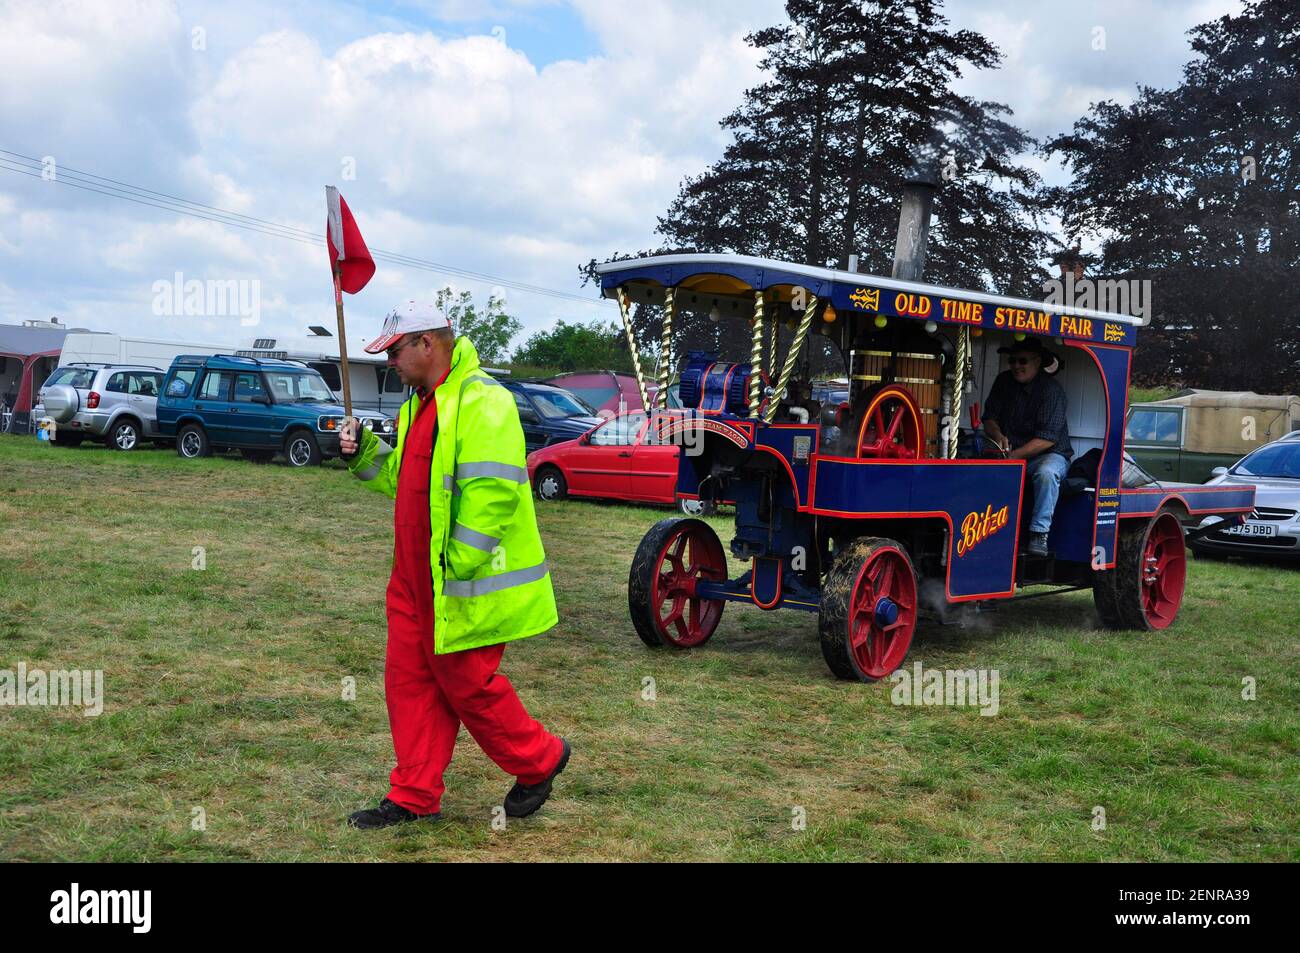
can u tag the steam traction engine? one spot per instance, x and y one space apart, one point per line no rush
844 508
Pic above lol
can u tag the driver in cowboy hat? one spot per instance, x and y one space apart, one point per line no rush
1024 416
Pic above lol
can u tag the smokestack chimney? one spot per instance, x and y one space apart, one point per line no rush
919 186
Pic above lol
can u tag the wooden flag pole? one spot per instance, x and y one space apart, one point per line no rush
343 346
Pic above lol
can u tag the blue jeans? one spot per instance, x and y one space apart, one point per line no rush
1045 472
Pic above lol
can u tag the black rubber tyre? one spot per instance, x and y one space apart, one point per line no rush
192 442
1118 593
301 449
550 484
836 619
1105 599
125 434
646 572
257 456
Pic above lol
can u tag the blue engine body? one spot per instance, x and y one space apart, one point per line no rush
715 387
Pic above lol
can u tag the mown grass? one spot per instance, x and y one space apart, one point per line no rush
223 692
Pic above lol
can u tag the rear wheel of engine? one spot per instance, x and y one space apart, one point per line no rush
662 594
868 610
1145 589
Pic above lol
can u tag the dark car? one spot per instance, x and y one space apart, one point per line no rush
831 395
257 406
610 393
549 413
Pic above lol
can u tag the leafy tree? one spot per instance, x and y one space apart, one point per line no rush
1195 189
853 94
490 330
569 347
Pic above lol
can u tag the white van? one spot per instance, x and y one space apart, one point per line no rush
96 347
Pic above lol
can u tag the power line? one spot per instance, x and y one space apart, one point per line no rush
277 230
77 179
114 188
176 198
4 166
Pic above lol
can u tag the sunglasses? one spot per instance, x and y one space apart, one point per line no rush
1019 360
394 351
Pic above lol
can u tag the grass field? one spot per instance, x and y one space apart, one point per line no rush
223 693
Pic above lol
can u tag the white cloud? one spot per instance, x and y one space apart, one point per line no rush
466 151
102 80
1053 68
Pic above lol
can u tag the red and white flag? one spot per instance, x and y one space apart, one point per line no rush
346 246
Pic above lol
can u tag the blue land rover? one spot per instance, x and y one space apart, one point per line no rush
257 406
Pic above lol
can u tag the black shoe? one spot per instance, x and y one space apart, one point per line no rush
524 799
1037 544
386 815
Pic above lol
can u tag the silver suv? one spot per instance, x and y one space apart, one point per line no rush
113 403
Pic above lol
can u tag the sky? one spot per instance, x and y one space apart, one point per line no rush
514 139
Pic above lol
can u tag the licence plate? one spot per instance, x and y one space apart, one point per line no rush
1252 529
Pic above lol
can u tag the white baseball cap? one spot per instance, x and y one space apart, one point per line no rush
407 319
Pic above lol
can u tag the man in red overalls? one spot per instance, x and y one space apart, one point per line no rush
430 693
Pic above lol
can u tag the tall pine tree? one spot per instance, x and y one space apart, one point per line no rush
853 93
1197 189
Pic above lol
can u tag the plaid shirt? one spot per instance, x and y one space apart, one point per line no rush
1026 411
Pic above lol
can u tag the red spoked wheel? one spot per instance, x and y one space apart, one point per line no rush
1145 589
1164 571
891 426
662 588
868 610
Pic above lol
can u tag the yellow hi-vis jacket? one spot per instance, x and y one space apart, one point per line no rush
490 581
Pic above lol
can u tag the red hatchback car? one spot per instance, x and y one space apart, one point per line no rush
618 460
